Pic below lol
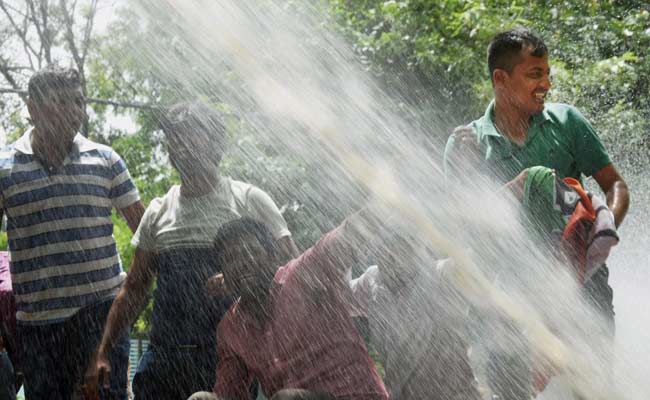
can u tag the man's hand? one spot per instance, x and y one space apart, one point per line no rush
615 188
517 186
462 153
466 142
97 375
215 286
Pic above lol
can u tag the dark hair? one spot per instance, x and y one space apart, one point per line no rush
52 78
195 117
504 51
238 229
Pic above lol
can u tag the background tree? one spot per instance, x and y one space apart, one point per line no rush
47 32
433 54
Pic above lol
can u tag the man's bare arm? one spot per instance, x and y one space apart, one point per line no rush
615 188
133 214
132 297
129 303
288 249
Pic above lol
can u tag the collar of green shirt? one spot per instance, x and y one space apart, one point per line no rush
489 129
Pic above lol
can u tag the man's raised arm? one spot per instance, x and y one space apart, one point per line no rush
129 303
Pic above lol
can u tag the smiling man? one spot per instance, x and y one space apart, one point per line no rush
519 130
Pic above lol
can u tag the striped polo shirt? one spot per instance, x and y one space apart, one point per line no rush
63 254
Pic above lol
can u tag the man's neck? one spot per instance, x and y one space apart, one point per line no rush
50 154
199 185
511 123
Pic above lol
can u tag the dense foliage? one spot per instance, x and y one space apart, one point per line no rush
433 53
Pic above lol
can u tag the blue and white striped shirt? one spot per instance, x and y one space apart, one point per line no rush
63 254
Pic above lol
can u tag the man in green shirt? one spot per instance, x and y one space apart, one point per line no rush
519 130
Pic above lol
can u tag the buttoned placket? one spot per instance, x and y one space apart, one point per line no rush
51 170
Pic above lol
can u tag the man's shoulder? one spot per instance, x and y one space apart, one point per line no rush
562 113
239 188
158 204
87 145
249 196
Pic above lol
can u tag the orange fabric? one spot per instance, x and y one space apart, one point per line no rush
575 235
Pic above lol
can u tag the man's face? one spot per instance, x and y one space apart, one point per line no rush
192 153
248 269
59 115
527 85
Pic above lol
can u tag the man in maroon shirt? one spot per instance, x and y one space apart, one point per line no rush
291 327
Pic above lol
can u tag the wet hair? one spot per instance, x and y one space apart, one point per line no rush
504 51
52 78
192 118
237 230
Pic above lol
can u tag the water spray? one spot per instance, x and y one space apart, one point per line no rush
466 276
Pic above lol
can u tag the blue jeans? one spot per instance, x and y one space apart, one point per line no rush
174 372
181 358
7 378
54 357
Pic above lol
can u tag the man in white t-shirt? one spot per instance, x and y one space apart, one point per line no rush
174 244
416 324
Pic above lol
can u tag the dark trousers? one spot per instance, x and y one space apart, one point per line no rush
600 295
7 378
54 357
510 373
174 372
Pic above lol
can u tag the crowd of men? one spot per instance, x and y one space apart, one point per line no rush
238 309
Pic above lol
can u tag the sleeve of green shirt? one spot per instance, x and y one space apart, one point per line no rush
590 154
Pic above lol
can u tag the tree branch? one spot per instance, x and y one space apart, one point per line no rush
68 19
10 79
85 43
108 102
40 30
46 31
123 104
22 34
27 52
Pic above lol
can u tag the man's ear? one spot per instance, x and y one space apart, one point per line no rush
31 108
499 77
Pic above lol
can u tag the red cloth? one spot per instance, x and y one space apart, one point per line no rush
310 341
7 304
7 301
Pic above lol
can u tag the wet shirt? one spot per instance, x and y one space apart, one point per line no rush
176 221
309 342
59 227
417 332
180 230
559 138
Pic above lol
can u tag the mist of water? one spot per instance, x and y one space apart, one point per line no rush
318 103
